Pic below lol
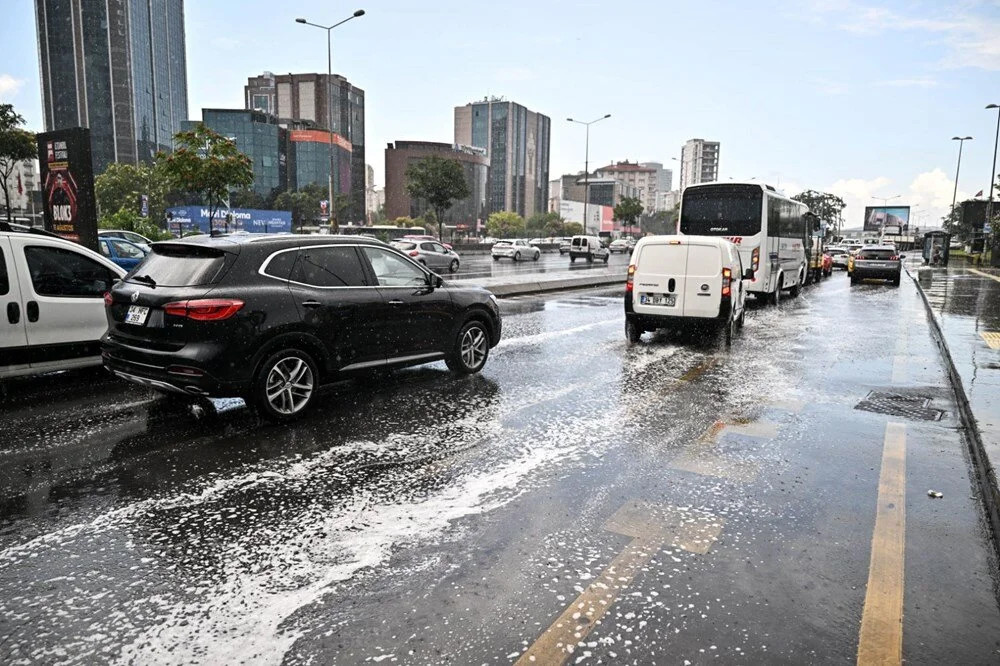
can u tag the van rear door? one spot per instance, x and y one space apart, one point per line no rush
13 334
703 290
659 280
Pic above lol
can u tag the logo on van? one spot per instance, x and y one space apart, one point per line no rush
704 287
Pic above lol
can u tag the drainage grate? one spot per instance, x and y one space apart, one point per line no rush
894 404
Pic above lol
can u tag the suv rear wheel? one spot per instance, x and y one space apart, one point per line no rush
472 348
284 385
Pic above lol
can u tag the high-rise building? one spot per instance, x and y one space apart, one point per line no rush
648 178
470 211
117 67
699 162
516 142
323 102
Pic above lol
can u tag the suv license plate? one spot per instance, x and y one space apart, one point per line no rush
668 300
136 315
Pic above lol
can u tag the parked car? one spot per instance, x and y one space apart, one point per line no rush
274 317
52 300
620 245
589 248
516 249
431 254
122 252
684 281
879 262
537 241
130 236
564 245
424 237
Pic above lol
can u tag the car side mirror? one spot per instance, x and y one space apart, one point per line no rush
902 256
748 274
434 280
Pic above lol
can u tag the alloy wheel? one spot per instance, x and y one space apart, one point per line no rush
474 347
289 385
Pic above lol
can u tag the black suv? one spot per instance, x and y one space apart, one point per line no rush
269 318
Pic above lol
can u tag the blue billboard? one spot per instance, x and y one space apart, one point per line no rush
187 218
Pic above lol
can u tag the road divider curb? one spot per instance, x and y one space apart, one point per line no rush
986 475
559 284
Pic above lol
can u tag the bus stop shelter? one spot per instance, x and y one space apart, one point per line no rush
935 248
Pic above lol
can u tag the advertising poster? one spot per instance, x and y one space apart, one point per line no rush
877 217
250 220
67 176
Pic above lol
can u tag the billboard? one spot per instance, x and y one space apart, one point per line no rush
877 217
67 176
188 218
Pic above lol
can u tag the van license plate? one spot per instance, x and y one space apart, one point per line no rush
136 315
668 300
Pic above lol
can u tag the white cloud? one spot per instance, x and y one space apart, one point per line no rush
928 195
857 193
9 86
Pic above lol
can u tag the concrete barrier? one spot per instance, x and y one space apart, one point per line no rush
540 286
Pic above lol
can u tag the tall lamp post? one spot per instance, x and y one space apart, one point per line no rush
954 194
329 96
586 165
993 177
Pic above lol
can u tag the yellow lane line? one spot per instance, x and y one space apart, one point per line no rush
651 527
978 272
700 457
992 338
881 639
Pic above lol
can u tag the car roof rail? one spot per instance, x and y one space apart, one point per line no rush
22 229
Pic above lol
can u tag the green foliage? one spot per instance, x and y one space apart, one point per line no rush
248 198
545 225
122 186
206 163
303 203
572 229
378 217
659 223
406 222
16 145
503 224
438 181
827 207
428 220
126 219
628 210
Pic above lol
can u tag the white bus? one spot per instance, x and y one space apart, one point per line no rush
770 229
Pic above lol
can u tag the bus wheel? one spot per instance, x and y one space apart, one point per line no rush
776 295
797 289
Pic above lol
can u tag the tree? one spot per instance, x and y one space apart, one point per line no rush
129 219
504 223
206 163
572 229
302 203
628 211
544 224
123 185
661 222
16 145
438 181
827 207
248 198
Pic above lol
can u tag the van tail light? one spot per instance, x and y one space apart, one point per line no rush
204 309
755 262
631 277
108 299
727 282
413 253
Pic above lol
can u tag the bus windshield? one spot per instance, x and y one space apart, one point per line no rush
721 211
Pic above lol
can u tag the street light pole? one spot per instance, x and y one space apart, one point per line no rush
993 175
329 100
954 194
586 165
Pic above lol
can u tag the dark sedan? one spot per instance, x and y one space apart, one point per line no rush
270 318
879 262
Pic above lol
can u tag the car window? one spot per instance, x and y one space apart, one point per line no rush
394 271
437 247
281 264
127 250
4 278
57 271
876 254
105 248
135 238
405 246
329 267
427 247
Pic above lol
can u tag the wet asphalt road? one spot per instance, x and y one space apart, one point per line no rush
673 502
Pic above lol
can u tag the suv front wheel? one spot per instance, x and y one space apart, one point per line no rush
284 385
472 348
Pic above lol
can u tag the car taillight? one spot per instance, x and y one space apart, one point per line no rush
727 281
205 309
630 278
894 257
108 299
414 253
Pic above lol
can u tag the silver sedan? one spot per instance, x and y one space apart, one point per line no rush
431 254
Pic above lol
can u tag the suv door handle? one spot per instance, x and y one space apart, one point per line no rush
311 304
32 310
396 302
13 313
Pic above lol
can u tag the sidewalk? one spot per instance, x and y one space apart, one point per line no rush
965 302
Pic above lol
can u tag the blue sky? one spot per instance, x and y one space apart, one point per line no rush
856 97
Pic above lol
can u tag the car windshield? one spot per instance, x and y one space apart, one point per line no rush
722 210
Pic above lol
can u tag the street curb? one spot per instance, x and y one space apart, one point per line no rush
545 286
985 473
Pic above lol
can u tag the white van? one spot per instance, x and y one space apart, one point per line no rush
682 281
589 248
51 302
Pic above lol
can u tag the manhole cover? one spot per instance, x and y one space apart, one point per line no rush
894 404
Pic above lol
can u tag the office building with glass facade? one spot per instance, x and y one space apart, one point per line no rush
117 67
259 137
310 160
324 102
516 141
469 211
